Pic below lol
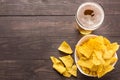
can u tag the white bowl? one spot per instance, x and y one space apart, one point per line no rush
83 39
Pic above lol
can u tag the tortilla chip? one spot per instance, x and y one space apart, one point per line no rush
96 56
60 68
106 41
73 70
66 74
85 70
65 47
111 61
94 73
114 46
87 63
109 54
67 60
100 68
99 55
94 68
84 50
105 70
55 60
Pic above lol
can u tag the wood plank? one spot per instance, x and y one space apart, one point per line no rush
48 25
51 7
27 70
39 37
35 37
42 70
36 48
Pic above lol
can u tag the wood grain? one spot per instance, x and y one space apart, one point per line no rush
41 70
32 30
51 7
39 37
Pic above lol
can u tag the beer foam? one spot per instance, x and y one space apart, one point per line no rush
90 15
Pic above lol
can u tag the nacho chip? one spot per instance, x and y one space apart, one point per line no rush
55 60
96 43
108 68
86 70
67 60
80 56
111 50
95 61
73 70
93 73
109 54
97 56
60 68
67 70
100 69
66 74
111 61
106 41
84 50
114 46
58 65
94 68
65 47
87 63
105 70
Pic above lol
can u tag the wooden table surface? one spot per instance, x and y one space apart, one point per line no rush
32 30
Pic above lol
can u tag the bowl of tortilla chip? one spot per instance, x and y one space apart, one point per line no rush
95 55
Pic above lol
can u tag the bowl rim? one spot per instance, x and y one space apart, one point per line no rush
84 38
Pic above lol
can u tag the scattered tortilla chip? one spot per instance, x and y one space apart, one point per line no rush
55 60
60 68
65 47
67 60
58 65
73 70
67 70
66 74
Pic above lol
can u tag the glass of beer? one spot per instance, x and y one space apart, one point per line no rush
89 17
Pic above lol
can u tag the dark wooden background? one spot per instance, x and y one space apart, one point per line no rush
32 30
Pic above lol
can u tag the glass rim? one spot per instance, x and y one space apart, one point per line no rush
95 26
